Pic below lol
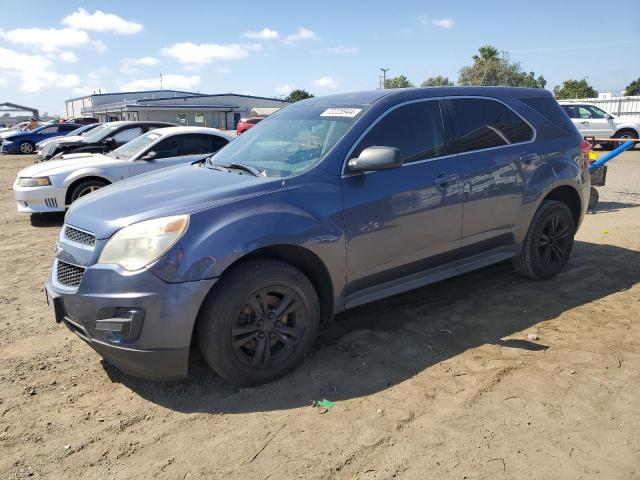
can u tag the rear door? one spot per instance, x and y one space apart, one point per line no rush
493 144
406 220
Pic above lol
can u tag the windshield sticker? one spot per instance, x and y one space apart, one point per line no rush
341 112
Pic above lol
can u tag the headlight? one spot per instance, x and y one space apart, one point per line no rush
139 244
34 182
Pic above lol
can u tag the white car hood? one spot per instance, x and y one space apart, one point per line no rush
58 167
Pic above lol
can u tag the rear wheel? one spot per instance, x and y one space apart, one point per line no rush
259 322
27 147
626 135
85 188
549 241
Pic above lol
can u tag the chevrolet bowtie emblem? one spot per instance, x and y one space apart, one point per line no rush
57 250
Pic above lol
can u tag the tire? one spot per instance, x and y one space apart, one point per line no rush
628 134
594 196
549 241
85 188
27 147
239 342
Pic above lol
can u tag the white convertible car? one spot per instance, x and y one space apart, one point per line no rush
52 186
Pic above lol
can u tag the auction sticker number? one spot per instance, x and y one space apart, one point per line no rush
341 112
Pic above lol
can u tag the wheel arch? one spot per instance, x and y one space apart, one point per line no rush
570 197
79 180
628 127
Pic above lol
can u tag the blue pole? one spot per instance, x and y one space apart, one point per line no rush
601 161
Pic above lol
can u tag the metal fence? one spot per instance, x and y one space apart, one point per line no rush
619 106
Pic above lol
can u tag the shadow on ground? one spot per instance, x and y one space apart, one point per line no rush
47 219
382 344
605 207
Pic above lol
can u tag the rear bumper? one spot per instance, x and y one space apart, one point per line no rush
39 199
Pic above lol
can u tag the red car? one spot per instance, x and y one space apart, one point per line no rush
246 123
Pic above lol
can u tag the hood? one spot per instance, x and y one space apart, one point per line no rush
58 167
170 191
15 135
73 156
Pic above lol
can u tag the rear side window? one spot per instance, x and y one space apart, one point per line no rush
549 109
415 129
194 144
486 124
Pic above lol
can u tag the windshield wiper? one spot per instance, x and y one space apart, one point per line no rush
245 168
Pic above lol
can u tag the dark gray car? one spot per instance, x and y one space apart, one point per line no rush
329 203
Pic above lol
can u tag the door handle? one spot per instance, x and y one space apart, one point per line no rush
443 179
527 158
584 123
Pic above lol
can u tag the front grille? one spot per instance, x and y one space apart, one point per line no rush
69 275
79 236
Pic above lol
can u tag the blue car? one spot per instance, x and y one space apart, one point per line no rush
327 204
25 141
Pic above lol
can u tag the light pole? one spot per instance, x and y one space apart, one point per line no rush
384 77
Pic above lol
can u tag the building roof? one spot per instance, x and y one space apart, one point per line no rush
106 94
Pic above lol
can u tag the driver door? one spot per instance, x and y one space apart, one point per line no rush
404 221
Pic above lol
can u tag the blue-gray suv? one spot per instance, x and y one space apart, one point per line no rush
329 203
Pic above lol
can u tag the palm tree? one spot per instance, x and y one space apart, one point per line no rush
487 54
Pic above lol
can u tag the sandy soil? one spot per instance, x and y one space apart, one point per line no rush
442 382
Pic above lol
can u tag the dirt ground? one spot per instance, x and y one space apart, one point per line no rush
443 382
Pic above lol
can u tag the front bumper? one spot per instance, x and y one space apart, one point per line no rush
39 199
10 148
157 346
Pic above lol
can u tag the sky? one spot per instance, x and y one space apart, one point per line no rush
53 50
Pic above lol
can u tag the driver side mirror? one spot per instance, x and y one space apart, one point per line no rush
376 158
608 116
149 155
109 141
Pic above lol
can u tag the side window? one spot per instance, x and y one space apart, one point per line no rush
217 143
194 144
416 129
67 128
127 135
48 131
486 124
594 112
571 110
166 148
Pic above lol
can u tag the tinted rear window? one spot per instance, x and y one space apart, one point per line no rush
486 124
549 109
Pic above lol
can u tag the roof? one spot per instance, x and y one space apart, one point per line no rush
372 96
185 129
264 111
188 94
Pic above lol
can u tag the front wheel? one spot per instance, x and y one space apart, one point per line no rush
626 135
85 188
549 242
27 147
259 322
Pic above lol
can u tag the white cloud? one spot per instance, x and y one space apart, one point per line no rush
87 90
341 49
4 81
168 81
100 21
34 71
203 53
130 65
68 57
445 23
47 39
224 70
285 89
264 34
325 82
301 34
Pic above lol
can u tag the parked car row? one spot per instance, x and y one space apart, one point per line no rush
54 185
327 204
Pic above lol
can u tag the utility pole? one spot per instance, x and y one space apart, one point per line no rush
161 82
384 76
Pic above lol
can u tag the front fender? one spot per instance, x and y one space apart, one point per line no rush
88 172
628 126
307 215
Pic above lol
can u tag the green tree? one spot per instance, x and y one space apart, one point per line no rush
574 89
397 82
633 88
297 95
438 81
490 68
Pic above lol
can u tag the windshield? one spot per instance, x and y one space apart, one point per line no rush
290 141
129 149
100 133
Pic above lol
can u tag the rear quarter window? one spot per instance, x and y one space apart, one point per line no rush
551 110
